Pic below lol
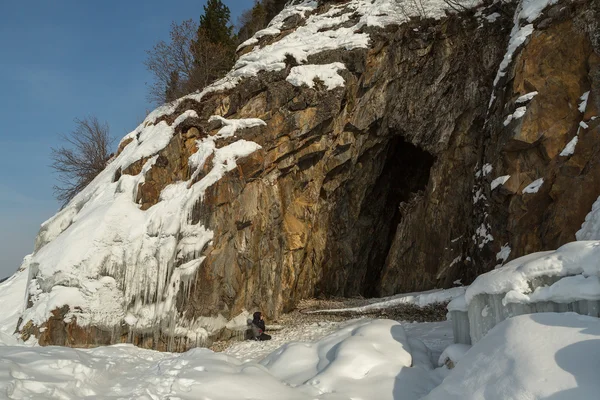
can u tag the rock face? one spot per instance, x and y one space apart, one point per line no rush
383 185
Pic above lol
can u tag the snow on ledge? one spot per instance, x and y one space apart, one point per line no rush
534 186
526 97
519 112
584 100
570 147
306 75
501 180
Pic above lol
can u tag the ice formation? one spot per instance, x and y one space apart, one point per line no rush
457 313
110 261
567 279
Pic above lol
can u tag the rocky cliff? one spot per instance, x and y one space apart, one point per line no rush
356 148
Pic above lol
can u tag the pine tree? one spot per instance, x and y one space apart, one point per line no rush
214 46
252 20
215 25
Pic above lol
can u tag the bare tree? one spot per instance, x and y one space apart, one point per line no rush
412 8
251 21
212 62
84 155
189 62
176 58
457 5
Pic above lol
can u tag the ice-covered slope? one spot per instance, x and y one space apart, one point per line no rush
112 262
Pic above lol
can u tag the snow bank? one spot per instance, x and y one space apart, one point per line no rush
452 355
12 299
365 360
540 356
126 372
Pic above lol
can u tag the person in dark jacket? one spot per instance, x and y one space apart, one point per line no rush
257 327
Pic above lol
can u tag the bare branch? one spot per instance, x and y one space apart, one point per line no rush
84 155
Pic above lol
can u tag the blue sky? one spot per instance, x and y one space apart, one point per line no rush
60 60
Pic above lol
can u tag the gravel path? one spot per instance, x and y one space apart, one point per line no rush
427 324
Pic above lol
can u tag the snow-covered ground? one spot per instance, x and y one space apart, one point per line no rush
12 300
361 359
538 356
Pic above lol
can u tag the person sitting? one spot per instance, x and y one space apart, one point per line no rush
257 327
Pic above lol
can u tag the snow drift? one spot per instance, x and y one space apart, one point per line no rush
364 360
540 356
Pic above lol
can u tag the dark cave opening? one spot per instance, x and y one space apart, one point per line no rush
402 181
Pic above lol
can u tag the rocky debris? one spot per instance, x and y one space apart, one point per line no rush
301 319
402 312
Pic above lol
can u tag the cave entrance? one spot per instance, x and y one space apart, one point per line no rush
402 181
